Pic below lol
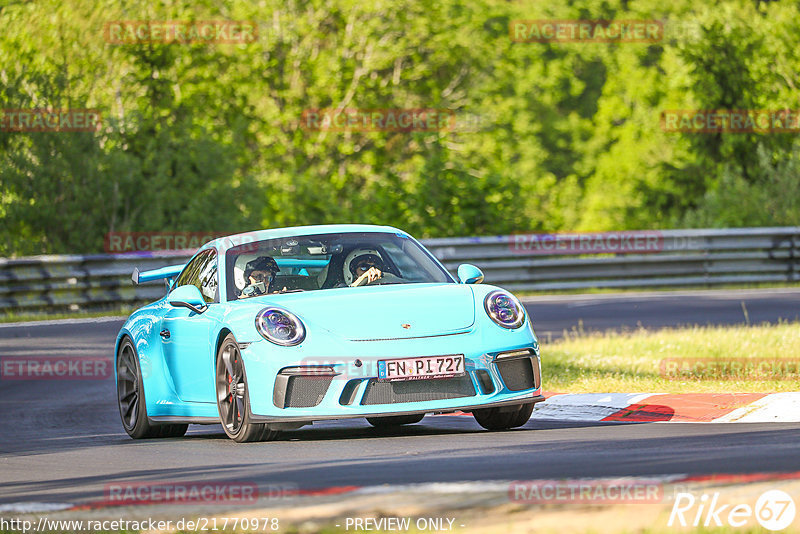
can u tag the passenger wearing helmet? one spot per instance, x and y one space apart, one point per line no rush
364 266
259 275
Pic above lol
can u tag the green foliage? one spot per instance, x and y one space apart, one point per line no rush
771 193
565 136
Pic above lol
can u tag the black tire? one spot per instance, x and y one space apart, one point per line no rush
233 400
394 420
503 417
130 399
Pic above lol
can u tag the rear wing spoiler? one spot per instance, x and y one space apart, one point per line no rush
164 273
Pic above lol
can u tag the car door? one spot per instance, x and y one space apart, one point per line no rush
185 335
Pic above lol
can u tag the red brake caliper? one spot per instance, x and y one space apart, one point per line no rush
230 391
239 416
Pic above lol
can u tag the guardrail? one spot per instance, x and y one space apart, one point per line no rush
681 258
684 258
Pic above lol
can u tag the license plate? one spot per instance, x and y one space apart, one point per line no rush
425 367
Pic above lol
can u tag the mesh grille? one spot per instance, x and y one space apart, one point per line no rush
517 373
306 391
381 392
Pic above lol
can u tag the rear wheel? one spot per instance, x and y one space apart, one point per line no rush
130 398
232 396
503 417
394 420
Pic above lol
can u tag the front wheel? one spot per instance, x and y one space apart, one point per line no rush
394 420
232 396
130 399
503 417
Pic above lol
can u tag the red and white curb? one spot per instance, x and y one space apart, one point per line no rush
668 407
466 487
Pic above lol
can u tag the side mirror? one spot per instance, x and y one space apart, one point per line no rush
187 296
469 274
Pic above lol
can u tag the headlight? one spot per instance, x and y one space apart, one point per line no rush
504 309
280 326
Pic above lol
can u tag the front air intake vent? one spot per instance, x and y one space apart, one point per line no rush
517 373
306 391
302 387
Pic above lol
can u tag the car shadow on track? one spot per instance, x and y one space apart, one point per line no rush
355 429
342 430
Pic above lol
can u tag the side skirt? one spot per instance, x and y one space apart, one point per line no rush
169 419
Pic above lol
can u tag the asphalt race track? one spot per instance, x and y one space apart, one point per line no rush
62 441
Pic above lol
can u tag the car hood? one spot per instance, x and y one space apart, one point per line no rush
380 312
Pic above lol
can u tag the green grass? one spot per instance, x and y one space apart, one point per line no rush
660 289
630 362
15 317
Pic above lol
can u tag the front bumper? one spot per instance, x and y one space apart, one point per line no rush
344 384
309 419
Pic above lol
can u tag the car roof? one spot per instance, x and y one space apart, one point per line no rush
221 244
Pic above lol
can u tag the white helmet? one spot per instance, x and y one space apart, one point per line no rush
355 257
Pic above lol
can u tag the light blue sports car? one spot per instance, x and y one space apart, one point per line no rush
275 329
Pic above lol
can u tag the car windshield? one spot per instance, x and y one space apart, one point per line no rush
327 261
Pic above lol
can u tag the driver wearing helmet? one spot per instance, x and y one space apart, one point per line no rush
259 275
364 266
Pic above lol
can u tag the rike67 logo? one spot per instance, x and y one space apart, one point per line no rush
774 510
